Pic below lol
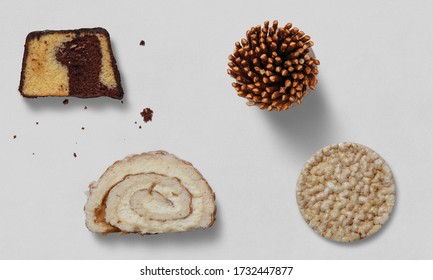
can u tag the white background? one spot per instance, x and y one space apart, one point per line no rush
375 88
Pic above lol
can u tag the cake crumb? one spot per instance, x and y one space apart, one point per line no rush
85 107
37 123
147 114
66 102
82 128
121 101
75 155
142 43
15 137
139 127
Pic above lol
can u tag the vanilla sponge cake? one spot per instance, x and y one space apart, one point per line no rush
76 63
148 193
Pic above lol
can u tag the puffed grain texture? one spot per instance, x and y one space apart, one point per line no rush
346 192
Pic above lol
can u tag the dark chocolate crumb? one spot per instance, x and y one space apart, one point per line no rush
75 155
142 43
147 114
66 102
15 137
85 107
139 127
135 122
33 153
121 101
82 128
37 123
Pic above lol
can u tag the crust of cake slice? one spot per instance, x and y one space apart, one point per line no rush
51 78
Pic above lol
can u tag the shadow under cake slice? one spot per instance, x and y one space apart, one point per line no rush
77 63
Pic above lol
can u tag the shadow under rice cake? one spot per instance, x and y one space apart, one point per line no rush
77 63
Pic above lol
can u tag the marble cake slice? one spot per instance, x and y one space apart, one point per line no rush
76 63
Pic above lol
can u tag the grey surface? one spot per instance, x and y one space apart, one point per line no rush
374 88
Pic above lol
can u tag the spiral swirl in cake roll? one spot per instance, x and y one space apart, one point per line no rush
150 193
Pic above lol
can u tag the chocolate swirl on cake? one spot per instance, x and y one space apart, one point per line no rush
83 58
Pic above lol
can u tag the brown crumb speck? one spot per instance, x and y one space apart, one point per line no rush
37 123
82 128
85 107
139 127
15 137
147 114
121 101
142 43
75 155
66 102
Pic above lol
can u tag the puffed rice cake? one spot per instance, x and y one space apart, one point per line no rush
346 192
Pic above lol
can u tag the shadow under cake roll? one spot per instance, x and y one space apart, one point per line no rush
77 63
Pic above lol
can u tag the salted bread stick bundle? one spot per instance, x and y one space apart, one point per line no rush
150 193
